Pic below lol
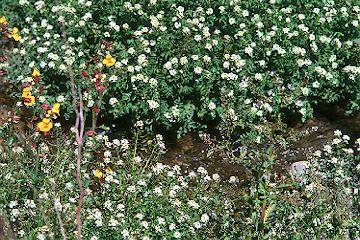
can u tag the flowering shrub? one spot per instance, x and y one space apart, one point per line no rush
326 204
186 62
129 195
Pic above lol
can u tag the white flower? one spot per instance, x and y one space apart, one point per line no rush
197 225
204 218
125 233
216 177
249 50
198 70
172 226
145 224
336 141
305 91
212 106
183 60
39 5
193 204
177 235
42 99
316 84
113 78
153 104
113 101
258 76
233 179
23 2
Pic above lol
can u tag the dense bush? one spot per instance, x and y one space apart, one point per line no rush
130 195
183 63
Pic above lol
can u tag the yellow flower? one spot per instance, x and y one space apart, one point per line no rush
56 109
3 20
26 92
29 100
98 173
108 170
36 73
45 125
14 33
109 60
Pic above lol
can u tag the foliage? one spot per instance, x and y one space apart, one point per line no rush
185 63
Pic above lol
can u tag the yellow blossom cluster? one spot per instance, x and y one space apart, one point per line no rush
10 32
52 112
98 173
29 99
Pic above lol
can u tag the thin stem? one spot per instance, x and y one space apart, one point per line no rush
79 130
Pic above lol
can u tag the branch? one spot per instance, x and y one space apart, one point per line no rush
61 224
79 128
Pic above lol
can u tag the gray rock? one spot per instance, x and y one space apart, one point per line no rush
298 169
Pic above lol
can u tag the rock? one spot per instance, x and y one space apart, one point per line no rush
298 169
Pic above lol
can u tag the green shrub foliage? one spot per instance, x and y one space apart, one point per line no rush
184 63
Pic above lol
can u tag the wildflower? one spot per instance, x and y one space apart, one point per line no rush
177 235
29 100
45 125
98 173
109 60
113 101
14 33
35 73
172 226
26 92
108 170
204 218
56 109
3 21
153 104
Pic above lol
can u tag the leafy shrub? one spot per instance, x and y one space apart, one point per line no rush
325 206
183 63
129 194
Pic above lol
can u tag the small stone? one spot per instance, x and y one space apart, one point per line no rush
298 169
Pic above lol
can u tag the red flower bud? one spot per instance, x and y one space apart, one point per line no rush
27 100
3 58
84 74
100 88
41 89
95 109
45 106
90 133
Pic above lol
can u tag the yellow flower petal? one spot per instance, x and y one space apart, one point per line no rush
45 125
36 73
56 109
3 20
14 34
98 173
29 100
46 120
26 93
109 60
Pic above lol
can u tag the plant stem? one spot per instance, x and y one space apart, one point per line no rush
79 130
